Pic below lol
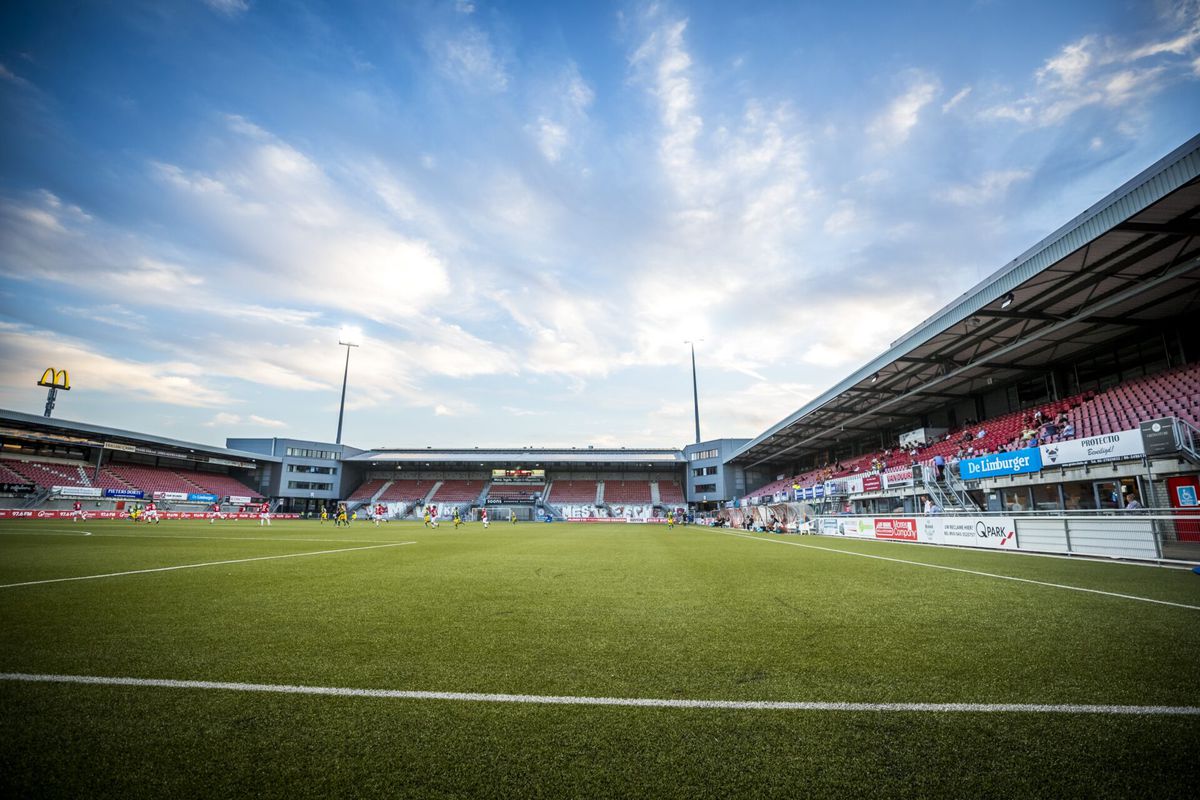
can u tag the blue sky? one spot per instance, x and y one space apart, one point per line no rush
527 208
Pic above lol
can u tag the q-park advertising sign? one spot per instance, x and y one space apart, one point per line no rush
993 532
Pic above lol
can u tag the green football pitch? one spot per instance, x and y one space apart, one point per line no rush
1081 679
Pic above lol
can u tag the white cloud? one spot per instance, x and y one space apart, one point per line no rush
230 8
468 58
8 75
991 186
225 419
552 138
563 103
26 351
1094 72
961 95
896 123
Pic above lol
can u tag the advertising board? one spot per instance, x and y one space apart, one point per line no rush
77 491
125 494
993 532
902 528
1016 462
1108 447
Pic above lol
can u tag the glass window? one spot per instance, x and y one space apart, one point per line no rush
1079 496
1016 498
1045 497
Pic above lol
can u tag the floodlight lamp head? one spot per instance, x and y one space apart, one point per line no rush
1007 300
349 336
875 377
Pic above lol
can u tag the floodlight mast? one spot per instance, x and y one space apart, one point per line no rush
695 391
344 340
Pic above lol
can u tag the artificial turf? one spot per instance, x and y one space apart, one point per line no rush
595 610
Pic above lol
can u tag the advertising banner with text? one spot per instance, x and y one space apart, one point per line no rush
20 513
1012 463
904 528
77 491
1109 447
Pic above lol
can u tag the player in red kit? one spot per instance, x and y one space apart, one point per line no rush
264 514
215 514
380 514
77 512
151 514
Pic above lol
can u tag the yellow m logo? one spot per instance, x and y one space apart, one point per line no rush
55 379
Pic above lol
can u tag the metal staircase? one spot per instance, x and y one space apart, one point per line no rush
951 493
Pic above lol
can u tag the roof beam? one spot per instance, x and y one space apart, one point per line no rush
1179 227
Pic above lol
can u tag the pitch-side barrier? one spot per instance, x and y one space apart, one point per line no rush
47 513
1141 537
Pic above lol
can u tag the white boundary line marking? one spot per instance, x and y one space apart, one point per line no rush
960 569
185 536
637 702
205 564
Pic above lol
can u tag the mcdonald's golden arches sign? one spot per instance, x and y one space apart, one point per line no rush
55 379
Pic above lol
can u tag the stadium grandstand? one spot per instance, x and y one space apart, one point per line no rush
52 463
564 483
1066 381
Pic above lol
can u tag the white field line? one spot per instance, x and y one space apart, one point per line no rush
966 571
205 564
186 536
637 702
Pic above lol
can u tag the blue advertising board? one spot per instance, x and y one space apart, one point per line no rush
125 494
202 498
1012 463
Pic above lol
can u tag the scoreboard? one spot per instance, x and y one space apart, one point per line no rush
518 475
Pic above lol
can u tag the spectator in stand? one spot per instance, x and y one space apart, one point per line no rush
1049 431
1028 433
1131 501
931 506
1068 431
939 463
982 433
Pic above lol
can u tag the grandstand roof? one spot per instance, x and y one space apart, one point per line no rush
17 424
1132 260
529 456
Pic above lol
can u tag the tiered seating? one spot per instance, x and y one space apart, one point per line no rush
8 476
515 492
1168 394
670 492
458 492
573 492
217 483
627 492
406 491
46 474
368 489
148 479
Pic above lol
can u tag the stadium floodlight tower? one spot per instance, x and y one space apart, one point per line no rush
347 338
695 391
